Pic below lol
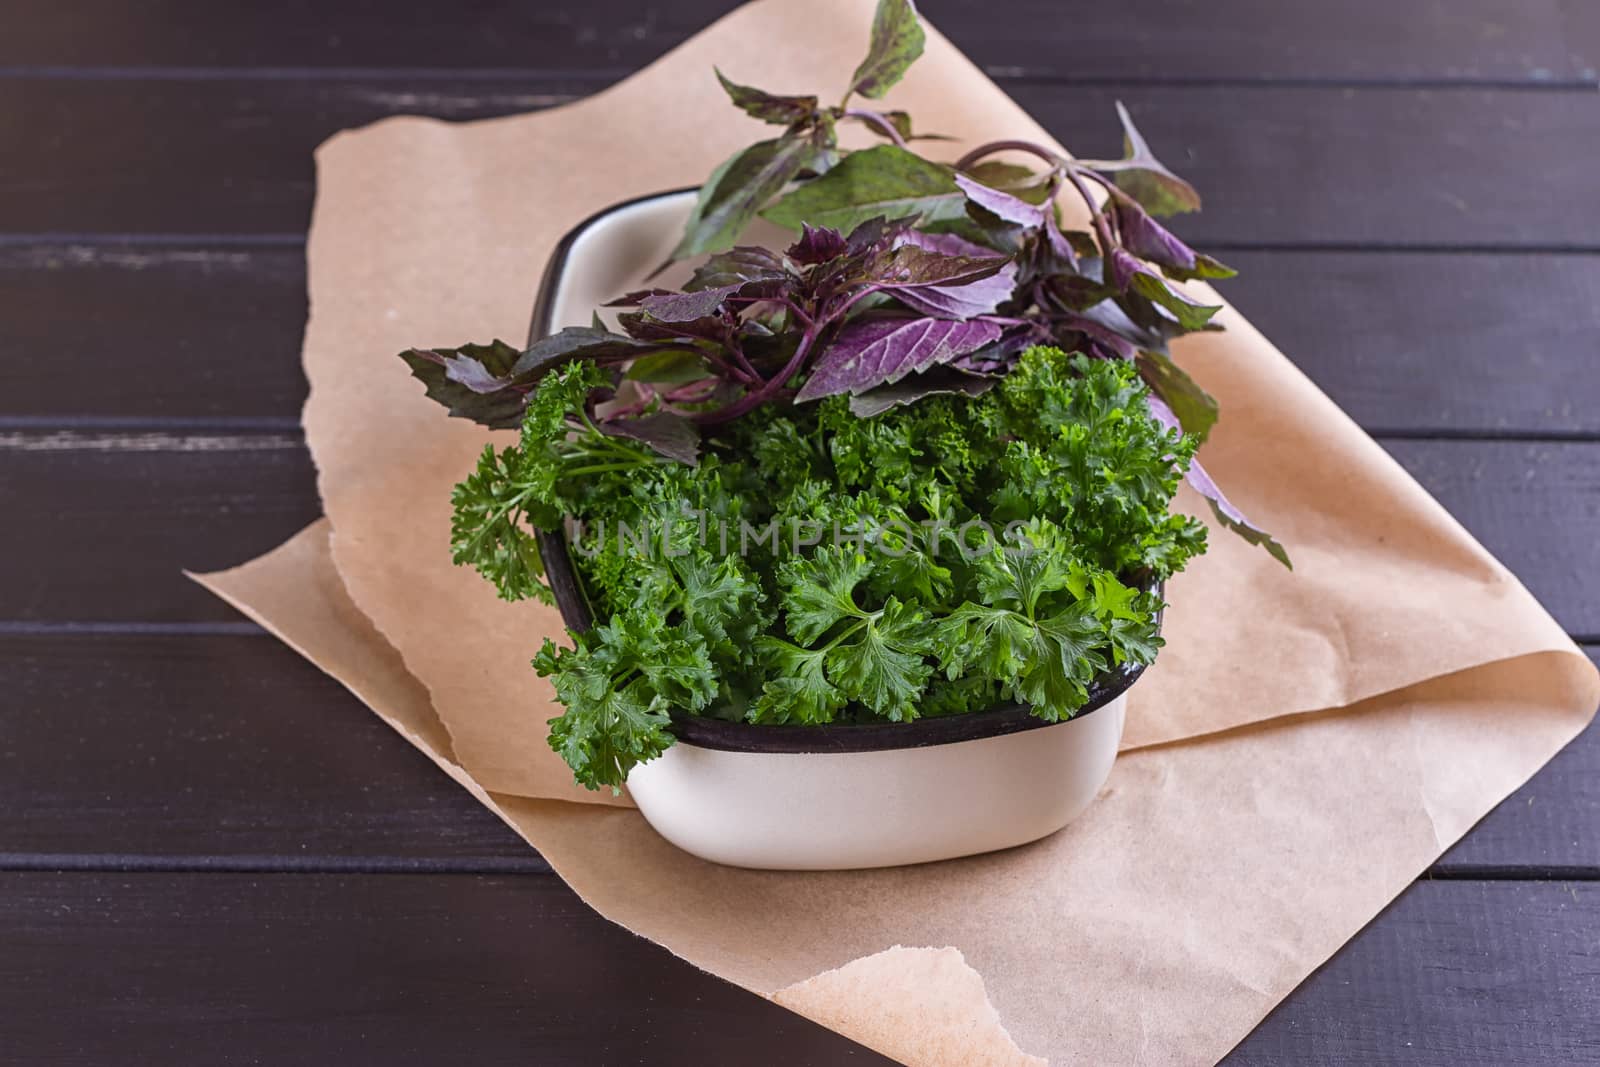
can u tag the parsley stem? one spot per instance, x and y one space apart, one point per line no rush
598 468
854 629
607 443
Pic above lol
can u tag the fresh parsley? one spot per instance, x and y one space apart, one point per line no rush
818 567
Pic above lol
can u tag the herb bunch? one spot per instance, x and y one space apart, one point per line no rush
896 373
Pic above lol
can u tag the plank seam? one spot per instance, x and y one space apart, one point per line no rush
594 79
1449 872
73 863
51 239
32 628
158 424
534 864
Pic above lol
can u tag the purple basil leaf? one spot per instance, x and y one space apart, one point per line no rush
671 435
1125 267
1057 242
1019 181
997 358
1112 316
1003 205
1082 243
1105 342
573 343
473 382
935 381
1190 314
643 327
885 180
1148 239
895 44
634 298
471 372
687 307
1019 212
979 297
961 301
878 233
901 121
1194 408
1144 177
946 244
817 244
872 351
1077 292
769 107
910 264
1228 515
738 267
1204 267
1131 274
739 188
1232 517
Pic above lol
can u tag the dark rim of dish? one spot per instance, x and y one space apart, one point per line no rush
745 737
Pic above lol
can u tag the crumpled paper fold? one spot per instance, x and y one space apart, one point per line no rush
1305 746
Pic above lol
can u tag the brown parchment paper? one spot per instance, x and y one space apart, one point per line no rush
1240 839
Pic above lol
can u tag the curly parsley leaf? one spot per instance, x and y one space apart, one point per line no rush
880 663
800 691
817 591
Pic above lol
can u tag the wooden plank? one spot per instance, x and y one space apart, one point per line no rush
199 332
208 157
220 968
100 524
1452 973
1431 342
1370 166
184 751
425 968
1529 503
193 332
1535 41
217 750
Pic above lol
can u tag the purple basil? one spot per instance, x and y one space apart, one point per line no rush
1145 237
907 277
687 307
817 244
1199 480
1003 205
670 435
874 351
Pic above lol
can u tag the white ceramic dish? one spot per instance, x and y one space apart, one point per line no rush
828 797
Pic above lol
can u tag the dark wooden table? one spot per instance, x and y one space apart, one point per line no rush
210 853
